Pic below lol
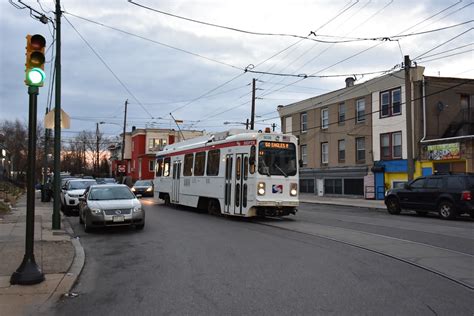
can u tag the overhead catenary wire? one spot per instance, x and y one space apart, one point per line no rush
108 67
469 81
442 44
365 50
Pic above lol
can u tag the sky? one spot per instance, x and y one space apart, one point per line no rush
168 67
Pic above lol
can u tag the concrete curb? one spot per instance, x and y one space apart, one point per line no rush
371 207
69 279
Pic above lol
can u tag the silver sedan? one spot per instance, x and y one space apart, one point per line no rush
110 205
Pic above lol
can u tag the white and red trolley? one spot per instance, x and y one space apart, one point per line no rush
237 172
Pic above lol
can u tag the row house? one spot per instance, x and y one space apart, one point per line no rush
353 141
141 146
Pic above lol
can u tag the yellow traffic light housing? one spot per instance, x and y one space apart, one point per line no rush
34 67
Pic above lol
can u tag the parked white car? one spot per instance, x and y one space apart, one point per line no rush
70 193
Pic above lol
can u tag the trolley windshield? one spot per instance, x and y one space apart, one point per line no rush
276 159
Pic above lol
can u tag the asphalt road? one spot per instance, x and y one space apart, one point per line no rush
189 263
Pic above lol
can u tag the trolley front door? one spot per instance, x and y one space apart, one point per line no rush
228 200
240 177
175 183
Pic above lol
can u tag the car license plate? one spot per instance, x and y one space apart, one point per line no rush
117 219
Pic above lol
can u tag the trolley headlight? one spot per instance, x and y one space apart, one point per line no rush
261 188
293 189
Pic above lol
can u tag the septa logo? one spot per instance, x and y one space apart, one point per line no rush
277 188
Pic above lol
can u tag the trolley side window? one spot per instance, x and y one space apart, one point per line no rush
213 160
166 167
188 165
199 163
159 167
253 154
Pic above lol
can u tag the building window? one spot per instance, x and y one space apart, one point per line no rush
306 185
360 149
304 122
151 165
342 114
360 110
324 153
341 150
288 125
156 144
391 146
390 102
332 186
304 155
324 118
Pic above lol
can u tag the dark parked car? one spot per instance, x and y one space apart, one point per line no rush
448 194
143 187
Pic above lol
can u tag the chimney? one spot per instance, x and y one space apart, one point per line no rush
350 82
133 128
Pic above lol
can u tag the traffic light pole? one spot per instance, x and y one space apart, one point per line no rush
29 272
56 220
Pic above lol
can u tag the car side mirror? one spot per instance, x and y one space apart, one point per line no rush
407 186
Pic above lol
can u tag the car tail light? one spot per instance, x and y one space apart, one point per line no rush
466 196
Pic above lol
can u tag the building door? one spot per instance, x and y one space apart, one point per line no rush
139 168
175 181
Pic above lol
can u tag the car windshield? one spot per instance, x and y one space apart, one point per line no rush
143 183
111 193
75 185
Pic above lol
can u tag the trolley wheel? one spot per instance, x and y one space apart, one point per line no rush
213 207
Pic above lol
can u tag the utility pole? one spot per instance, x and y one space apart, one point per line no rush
97 149
252 116
410 162
247 124
124 129
56 221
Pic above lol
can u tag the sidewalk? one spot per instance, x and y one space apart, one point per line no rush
57 253
344 201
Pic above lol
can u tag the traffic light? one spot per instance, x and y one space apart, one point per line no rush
34 71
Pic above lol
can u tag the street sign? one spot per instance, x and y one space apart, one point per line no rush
121 168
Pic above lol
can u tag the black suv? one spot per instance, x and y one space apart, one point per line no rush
448 194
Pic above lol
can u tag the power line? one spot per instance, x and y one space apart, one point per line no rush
155 41
446 56
401 103
365 50
437 46
246 31
108 67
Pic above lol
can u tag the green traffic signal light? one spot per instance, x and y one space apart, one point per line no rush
35 59
35 77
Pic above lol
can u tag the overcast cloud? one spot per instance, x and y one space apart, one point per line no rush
165 80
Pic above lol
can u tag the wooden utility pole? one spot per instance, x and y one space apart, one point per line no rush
124 129
252 116
56 217
408 115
